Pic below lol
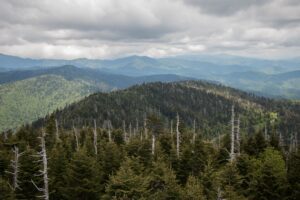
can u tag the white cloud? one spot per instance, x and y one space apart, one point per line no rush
113 28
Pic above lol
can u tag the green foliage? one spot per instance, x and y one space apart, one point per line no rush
193 189
163 183
129 182
82 177
128 170
268 176
27 100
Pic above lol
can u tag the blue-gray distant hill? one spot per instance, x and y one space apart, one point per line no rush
261 76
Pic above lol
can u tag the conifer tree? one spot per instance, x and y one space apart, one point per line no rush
129 182
82 177
27 170
268 176
193 189
163 183
57 172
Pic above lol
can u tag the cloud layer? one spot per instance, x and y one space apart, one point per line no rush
113 28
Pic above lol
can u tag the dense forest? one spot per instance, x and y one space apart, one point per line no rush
27 95
184 140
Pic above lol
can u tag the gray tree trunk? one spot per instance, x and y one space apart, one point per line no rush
177 136
232 154
95 138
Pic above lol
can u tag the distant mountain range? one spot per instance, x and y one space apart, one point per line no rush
275 78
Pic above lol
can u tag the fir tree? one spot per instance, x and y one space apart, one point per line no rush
129 182
82 177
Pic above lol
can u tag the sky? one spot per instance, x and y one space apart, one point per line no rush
102 29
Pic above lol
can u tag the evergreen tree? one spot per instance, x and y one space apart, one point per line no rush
163 183
82 177
6 193
294 175
57 172
28 170
129 182
193 189
268 174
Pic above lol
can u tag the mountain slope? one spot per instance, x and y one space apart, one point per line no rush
230 70
208 104
284 85
30 94
27 100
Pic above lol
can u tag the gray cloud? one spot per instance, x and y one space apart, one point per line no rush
112 28
225 7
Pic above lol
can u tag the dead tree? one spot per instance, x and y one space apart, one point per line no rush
232 154
280 140
145 129
130 130
266 133
15 167
171 128
107 125
44 172
219 140
137 125
153 143
124 131
194 132
296 141
293 143
238 142
177 136
76 136
56 126
95 137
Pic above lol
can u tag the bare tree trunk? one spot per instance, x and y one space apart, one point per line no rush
232 155
134 132
194 131
153 143
177 136
45 167
130 130
145 129
171 128
137 125
56 126
296 141
76 137
15 166
44 171
266 133
124 131
280 140
95 137
238 136
109 130
219 141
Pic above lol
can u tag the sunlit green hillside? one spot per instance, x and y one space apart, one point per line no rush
27 100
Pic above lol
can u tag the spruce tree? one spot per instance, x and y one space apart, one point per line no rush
163 183
193 189
129 182
82 177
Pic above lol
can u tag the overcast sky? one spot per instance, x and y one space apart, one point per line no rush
158 28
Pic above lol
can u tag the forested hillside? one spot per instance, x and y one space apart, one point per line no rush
27 95
185 140
206 103
27 100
